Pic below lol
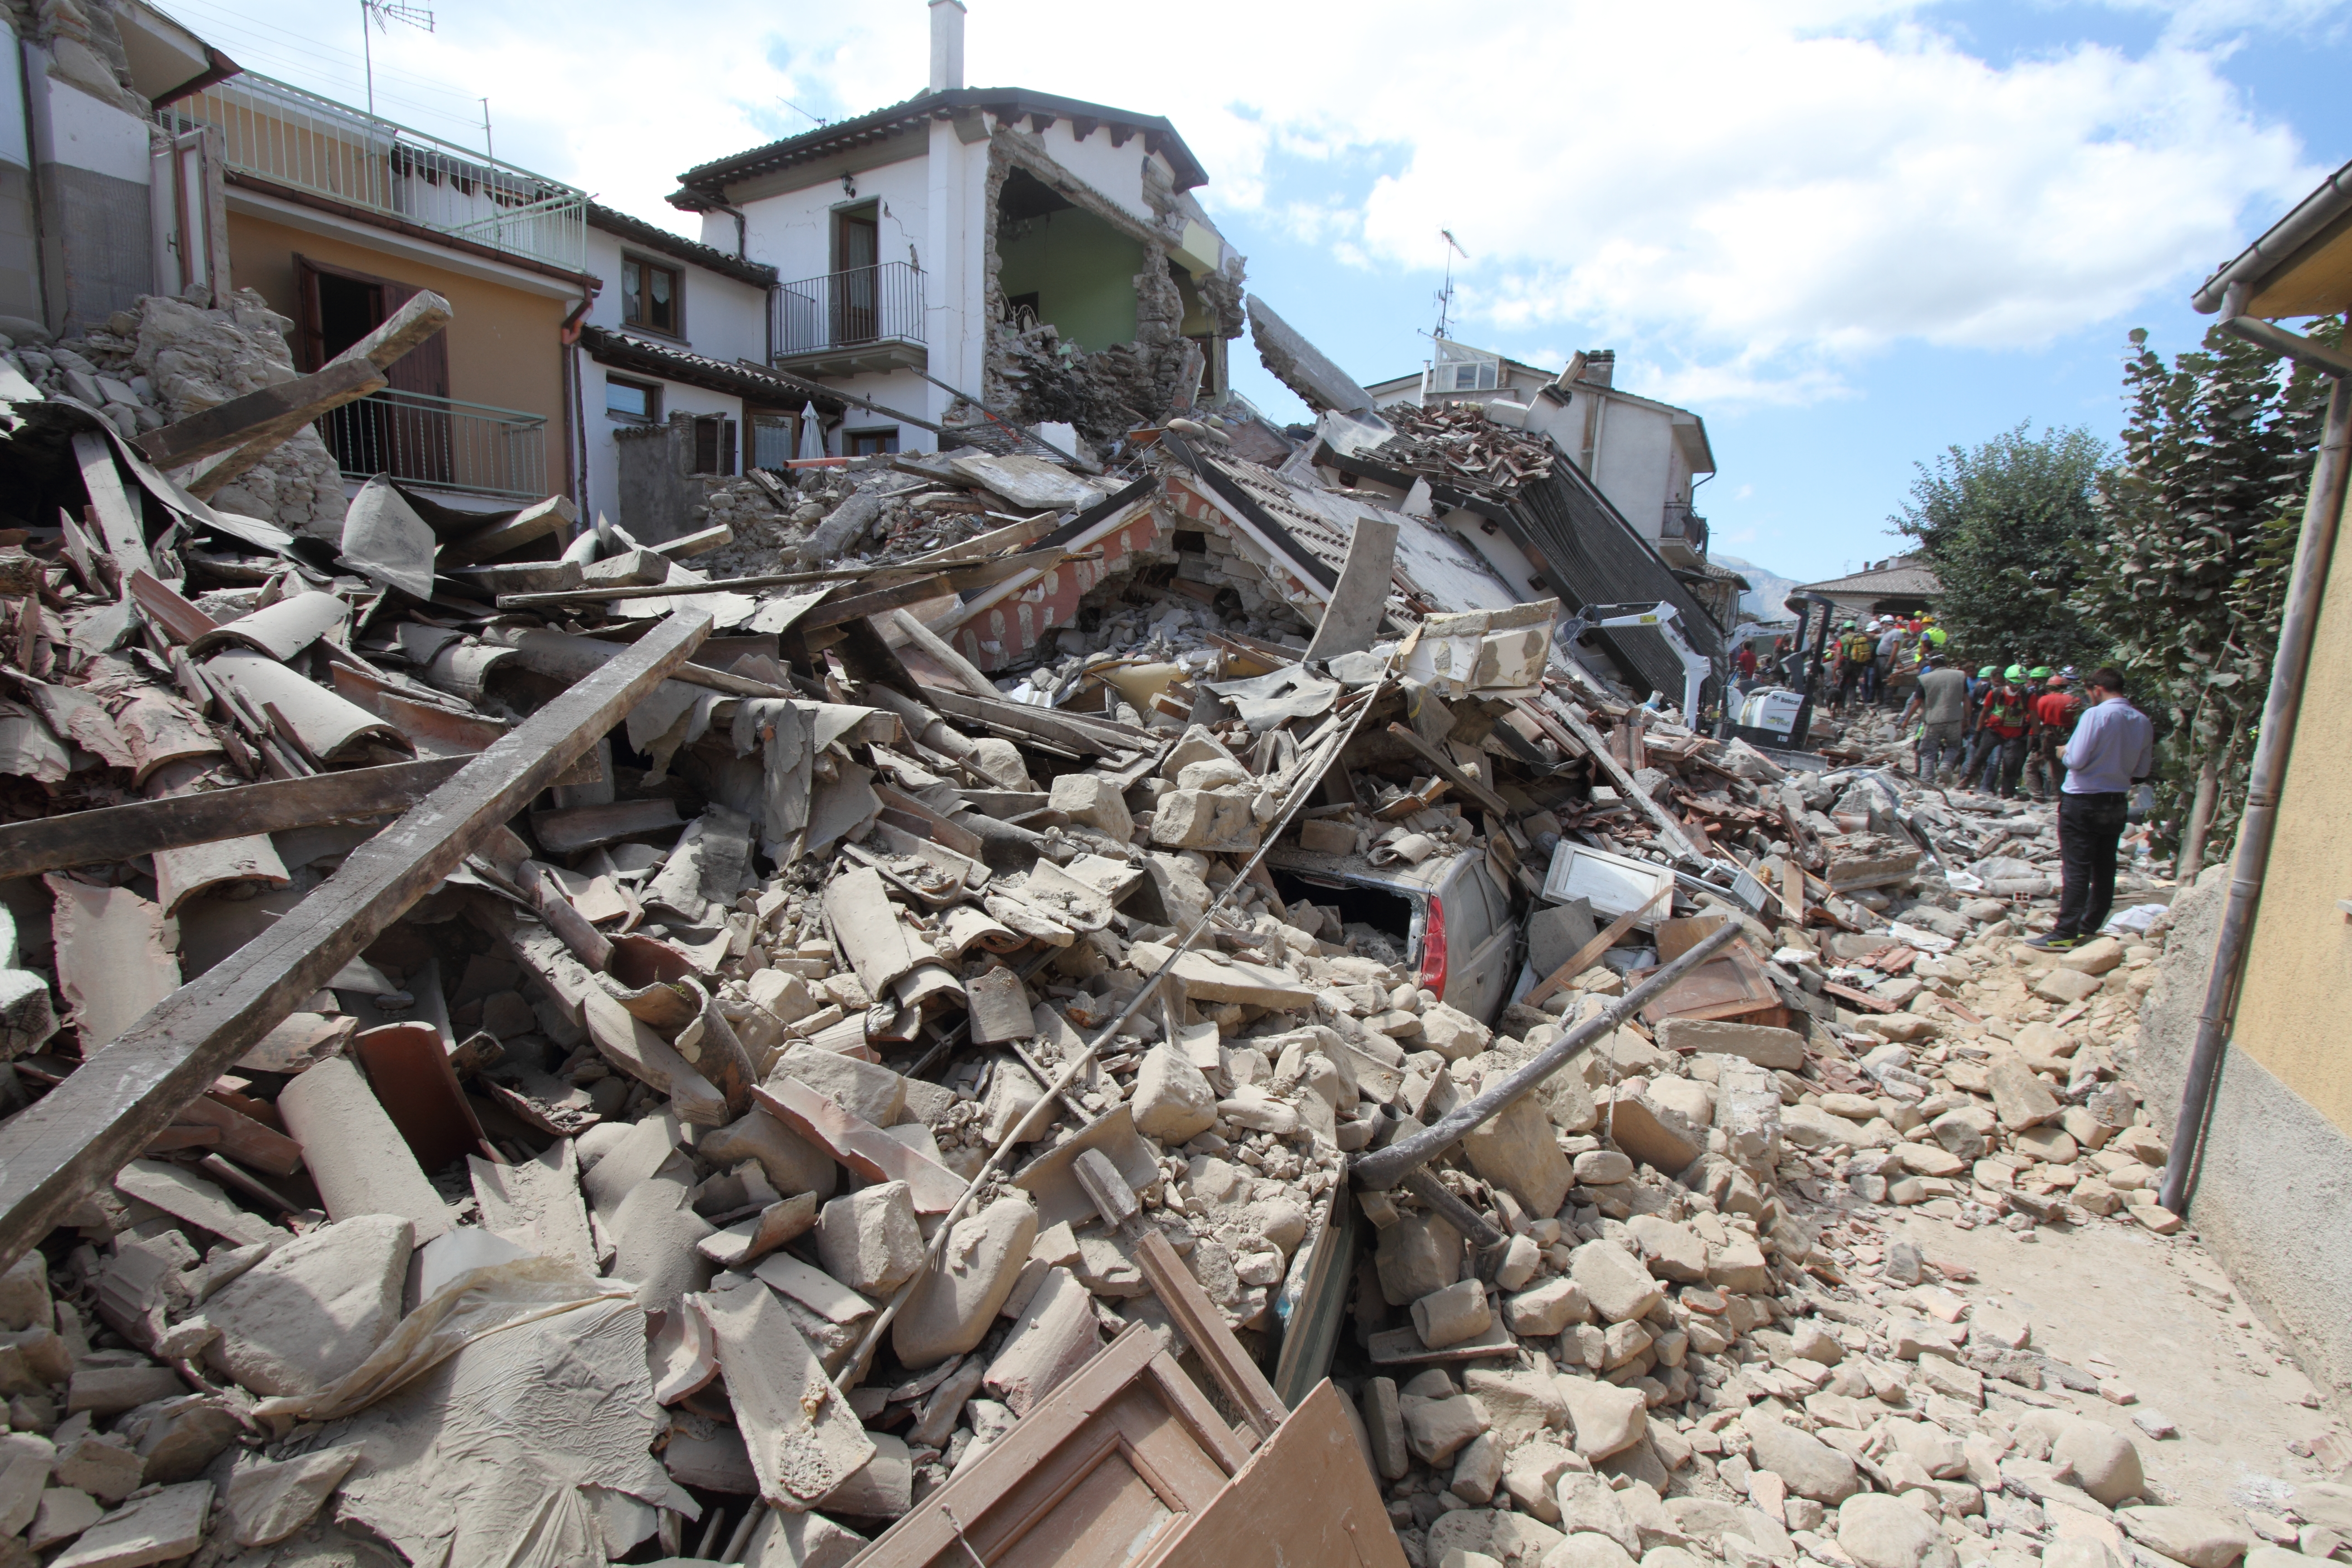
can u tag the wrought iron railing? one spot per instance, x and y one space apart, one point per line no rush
439 441
843 310
289 137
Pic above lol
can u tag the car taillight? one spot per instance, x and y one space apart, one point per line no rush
1432 948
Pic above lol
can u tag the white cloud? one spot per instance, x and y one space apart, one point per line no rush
1743 195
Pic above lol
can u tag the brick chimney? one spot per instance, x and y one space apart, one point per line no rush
947 45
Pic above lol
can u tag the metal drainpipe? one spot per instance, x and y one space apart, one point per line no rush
2315 550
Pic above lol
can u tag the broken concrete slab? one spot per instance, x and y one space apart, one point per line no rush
536 1204
1053 1336
804 1438
312 1311
869 1240
267 1502
156 1528
954 1306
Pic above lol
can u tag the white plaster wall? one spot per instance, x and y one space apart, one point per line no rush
604 454
1114 172
15 146
86 133
792 232
724 318
1634 463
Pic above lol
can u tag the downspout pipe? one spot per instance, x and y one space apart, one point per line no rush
2315 550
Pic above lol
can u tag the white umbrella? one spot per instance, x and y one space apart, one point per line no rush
812 432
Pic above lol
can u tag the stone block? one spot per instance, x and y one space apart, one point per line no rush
1780 1049
1173 1101
2019 1098
1095 802
156 1528
869 1240
312 1311
1518 1152
1660 1137
1616 1282
1606 1419
951 1311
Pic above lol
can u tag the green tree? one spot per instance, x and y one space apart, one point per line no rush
2186 573
2003 526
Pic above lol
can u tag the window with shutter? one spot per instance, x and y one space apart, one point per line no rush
714 445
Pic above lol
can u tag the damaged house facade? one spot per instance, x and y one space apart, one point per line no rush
1039 254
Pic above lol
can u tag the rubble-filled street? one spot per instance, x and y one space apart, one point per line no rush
809 968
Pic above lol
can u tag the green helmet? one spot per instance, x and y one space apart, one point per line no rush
2039 672
2014 672
1986 673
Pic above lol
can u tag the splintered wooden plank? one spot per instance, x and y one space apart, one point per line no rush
120 832
105 1113
111 505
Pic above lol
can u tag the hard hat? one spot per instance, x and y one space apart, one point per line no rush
2067 673
1849 625
2039 672
1928 619
2061 678
2014 672
1985 674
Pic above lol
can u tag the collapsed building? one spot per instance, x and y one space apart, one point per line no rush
789 1043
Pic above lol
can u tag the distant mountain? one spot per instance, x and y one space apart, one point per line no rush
1768 591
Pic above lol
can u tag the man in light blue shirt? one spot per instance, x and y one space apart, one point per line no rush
2113 748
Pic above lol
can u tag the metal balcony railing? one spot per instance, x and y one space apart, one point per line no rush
1687 527
439 441
288 137
843 310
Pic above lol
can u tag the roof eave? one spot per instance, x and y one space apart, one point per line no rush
2254 265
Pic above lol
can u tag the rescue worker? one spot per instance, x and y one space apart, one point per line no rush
2056 711
1854 651
1890 651
1942 704
2003 718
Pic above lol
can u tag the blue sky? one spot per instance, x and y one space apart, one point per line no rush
1848 233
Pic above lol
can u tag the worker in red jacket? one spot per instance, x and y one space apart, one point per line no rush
2056 709
2004 715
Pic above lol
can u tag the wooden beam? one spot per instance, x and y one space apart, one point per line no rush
88 1126
858 606
1451 772
420 316
141 827
110 506
258 416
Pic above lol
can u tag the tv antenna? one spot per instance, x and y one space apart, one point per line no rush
376 11
1445 295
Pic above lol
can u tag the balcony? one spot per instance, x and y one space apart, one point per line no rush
274 134
1683 539
420 439
866 318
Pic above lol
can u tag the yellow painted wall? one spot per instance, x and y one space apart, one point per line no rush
503 347
2298 974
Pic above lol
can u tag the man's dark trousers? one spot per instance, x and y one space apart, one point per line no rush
2089 828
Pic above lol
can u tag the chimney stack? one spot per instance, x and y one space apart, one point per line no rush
1599 367
947 45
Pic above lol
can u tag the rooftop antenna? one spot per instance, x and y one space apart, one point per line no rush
1445 295
376 11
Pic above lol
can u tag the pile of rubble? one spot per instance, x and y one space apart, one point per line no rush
171 358
778 1056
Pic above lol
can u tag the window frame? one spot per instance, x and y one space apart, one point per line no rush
643 263
652 391
850 439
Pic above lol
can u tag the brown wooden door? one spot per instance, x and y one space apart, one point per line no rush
407 437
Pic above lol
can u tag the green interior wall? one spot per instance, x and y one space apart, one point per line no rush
1081 270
